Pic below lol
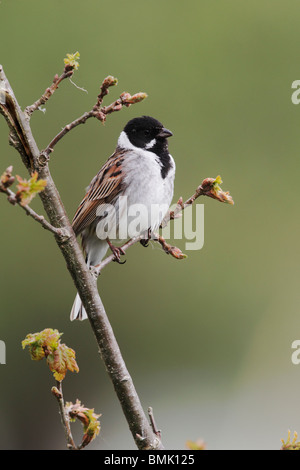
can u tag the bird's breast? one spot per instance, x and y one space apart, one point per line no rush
148 195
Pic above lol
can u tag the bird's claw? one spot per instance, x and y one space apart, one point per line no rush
145 241
117 252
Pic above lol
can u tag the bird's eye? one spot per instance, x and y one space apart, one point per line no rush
146 132
133 131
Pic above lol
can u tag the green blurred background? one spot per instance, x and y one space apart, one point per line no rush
207 340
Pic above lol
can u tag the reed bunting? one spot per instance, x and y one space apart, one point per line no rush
129 196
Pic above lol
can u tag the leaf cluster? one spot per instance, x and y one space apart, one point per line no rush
46 344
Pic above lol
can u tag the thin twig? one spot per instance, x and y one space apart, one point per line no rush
23 140
38 218
57 392
49 91
180 206
81 120
202 190
99 112
86 286
110 258
153 423
170 249
210 188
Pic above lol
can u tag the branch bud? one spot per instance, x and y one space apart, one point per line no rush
128 100
56 392
211 188
109 81
71 62
7 179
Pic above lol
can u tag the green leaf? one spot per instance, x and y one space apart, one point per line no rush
88 417
71 60
61 360
211 188
291 445
196 445
28 189
41 344
92 429
46 344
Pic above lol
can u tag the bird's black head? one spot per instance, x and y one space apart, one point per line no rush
147 133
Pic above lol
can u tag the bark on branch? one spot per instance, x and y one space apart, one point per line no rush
22 139
145 433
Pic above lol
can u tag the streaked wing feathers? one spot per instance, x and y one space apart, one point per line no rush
103 189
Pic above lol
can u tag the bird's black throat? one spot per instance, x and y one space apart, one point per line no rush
161 150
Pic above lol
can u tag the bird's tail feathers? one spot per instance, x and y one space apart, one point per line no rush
78 311
95 252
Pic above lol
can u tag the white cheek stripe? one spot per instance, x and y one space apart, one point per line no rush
124 142
151 144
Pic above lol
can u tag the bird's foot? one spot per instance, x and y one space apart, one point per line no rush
117 252
145 241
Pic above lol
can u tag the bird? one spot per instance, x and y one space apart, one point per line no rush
128 197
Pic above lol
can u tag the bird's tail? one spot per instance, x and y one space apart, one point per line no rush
96 251
78 311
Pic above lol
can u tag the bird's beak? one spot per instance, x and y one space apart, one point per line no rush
164 133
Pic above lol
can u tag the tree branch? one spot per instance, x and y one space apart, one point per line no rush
24 142
81 120
144 433
99 112
48 92
57 392
111 257
209 187
12 198
153 423
71 65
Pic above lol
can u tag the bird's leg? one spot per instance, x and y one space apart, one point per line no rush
145 241
117 251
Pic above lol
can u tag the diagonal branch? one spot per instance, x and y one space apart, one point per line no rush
111 257
81 120
38 218
144 433
48 92
98 111
71 65
153 423
58 393
85 283
209 187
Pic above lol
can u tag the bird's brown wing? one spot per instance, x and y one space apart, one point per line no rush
103 189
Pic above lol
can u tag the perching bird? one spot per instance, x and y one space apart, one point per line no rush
129 196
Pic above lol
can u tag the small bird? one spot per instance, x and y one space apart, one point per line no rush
129 196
